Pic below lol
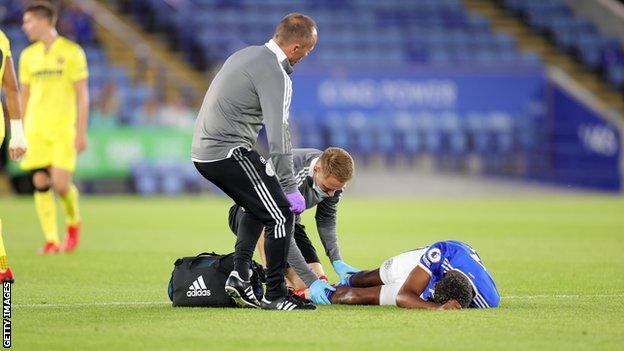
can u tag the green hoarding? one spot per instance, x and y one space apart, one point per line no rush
112 152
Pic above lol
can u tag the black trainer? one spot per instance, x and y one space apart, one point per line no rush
241 291
288 303
303 299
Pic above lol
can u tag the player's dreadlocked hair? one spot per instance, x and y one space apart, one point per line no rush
453 286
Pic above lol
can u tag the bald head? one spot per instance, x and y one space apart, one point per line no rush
296 35
295 28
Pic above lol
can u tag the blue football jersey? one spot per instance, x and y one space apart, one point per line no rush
444 256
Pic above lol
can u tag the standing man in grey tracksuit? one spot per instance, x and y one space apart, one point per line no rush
253 89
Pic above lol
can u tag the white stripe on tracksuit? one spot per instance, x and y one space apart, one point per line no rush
286 105
301 176
264 194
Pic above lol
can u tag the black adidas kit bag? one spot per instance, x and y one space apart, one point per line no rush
199 281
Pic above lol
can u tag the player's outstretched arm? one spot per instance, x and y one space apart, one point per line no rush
416 283
82 100
17 144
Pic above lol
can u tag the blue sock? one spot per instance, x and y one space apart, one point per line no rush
350 279
329 294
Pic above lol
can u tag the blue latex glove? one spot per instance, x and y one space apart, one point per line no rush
297 202
343 270
317 292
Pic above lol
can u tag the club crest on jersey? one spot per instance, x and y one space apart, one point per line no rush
269 169
60 60
434 255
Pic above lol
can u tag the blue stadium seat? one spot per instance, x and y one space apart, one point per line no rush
478 131
362 132
144 179
365 32
615 75
337 130
407 132
427 126
502 127
310 133
171 179
453 133
384 134
589 48
478 24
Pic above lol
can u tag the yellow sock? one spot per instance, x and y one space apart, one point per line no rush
70 205
4 263
46 210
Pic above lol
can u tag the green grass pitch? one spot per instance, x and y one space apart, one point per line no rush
558 264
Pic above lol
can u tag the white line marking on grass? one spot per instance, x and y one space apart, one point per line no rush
572 296
157 303
91 304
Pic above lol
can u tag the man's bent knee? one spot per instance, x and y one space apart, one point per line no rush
41 179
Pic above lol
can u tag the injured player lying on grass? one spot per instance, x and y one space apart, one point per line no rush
444 275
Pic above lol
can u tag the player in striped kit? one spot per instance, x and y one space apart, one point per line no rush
445 275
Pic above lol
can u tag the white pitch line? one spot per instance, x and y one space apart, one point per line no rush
147 303
90 304
572 296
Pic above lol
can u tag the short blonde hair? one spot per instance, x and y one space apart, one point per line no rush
336 162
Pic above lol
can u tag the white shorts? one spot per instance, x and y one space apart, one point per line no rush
394 271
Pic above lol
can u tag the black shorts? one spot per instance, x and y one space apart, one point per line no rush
301 238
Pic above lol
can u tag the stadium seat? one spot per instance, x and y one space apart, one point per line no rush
501 125
144 179
615 74
171 179
361 129
337 130
427 126
310 133
364 32
571 32
408 134
384 133
477 128
452 131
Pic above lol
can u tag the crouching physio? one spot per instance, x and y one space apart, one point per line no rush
321 178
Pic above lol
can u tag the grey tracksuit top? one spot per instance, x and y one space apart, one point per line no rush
252 89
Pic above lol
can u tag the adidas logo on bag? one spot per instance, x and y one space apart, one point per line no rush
198 288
